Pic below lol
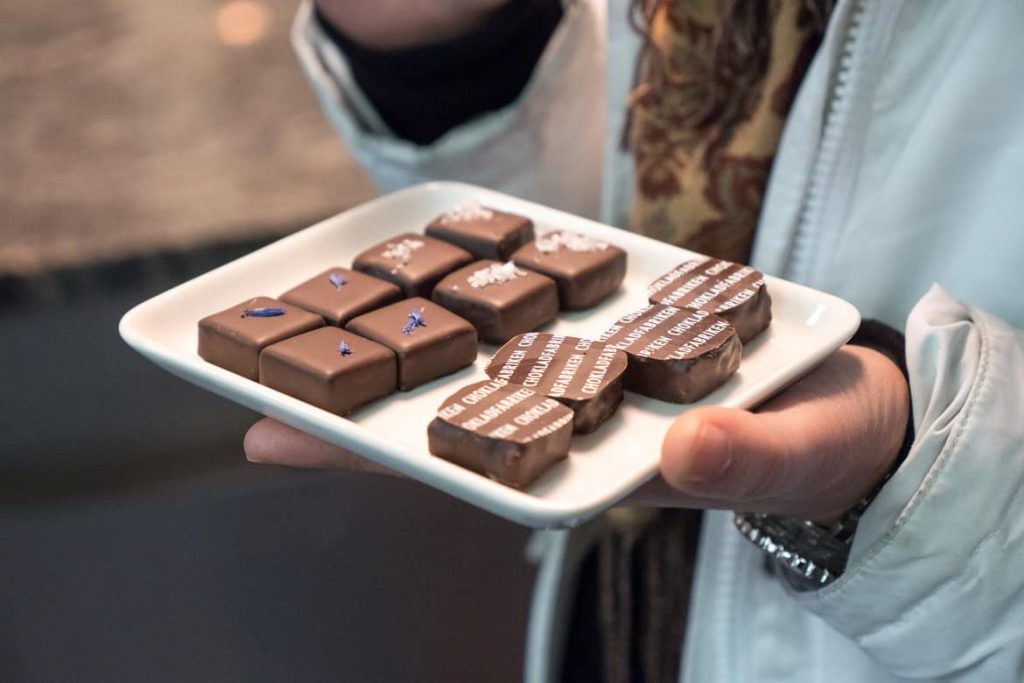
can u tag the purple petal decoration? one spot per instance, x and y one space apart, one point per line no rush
415 320
345 349
338 280
269 312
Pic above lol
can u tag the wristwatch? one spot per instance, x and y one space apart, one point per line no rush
813 555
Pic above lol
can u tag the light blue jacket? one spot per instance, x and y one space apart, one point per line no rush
899 186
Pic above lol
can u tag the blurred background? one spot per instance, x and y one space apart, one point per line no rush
141 144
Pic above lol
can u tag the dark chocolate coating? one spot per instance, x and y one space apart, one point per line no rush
584 277
507 432
234 342
312 368
447 343
339 304
735 292
424 267
493 237
584 375
500 310
676 355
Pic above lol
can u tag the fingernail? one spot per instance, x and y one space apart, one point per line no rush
712 454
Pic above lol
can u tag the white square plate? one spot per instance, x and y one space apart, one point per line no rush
602 468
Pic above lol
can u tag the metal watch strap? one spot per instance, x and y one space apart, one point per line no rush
813 553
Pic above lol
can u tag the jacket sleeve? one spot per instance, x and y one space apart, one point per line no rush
935 582
546 146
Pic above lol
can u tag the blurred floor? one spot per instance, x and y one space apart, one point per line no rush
133 125
139 150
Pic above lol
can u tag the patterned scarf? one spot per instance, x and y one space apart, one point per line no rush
718 78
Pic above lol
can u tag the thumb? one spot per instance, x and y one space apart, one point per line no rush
729 455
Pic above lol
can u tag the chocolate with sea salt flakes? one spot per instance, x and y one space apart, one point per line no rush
340 294
428 340
482 231
500 299
736 292
675 354
586 270
415 263
584 375
330 368
505 431
234 337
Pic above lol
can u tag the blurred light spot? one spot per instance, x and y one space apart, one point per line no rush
242 22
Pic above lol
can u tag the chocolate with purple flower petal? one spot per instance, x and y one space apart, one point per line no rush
266 312
338 280
415 320
446 342
330 368
339 303
234 337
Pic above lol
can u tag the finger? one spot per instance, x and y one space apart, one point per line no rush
813 451
725 455
272 442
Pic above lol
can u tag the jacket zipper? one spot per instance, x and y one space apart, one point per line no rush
799 269
837 113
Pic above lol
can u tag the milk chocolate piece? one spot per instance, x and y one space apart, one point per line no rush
330 368
586 270
500 299
675 354
340 294
733 291
429 341
482 231
584 375
505 431
413 262
234 337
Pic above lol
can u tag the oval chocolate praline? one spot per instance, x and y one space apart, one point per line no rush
505 431
675 354
584 375
736 292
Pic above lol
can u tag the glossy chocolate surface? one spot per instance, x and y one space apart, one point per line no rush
735 292
676 355
482 231
234 337
428 340
584 375
500 299
586 270
505 431
340 294
415 263
330 368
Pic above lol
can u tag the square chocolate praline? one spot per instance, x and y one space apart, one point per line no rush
585 270
499 308
330 368
429 341
340 294
482 231
234 337
415 263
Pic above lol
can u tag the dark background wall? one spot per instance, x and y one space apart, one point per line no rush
139 150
